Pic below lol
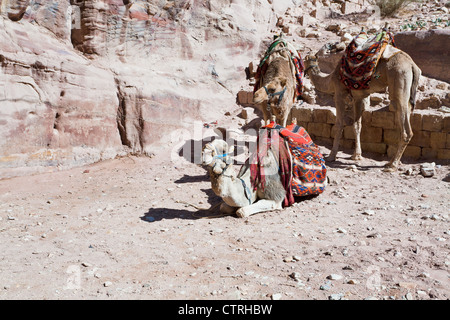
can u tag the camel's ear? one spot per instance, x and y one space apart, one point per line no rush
260 96
283 82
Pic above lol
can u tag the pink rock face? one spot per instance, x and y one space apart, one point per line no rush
53 100
15 8
86 80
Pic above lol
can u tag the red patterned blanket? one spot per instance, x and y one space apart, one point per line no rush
301 165
361 58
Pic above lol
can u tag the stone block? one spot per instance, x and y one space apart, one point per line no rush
383 119
432 122
371 134
320 115
421 139
331 119
374 147
306 20
438 140
242 98
428 153
253 68
412 152
429 50
302 114
447 145
391 136
416 122
346 144
319 129
366 118
349 133
446 123
443 154
247 113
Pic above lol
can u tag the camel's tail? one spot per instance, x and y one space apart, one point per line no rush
415 83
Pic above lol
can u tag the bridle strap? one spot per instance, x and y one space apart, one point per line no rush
279 93
314 63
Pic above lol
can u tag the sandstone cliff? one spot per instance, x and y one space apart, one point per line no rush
87 80
82 81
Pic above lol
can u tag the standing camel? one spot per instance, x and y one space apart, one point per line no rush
276 86
399 74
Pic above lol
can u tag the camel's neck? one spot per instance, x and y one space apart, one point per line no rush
322 81
222 181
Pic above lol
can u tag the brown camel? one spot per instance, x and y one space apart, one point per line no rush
277 86
399 74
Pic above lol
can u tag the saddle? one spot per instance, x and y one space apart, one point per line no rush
361 57
295 58
301 165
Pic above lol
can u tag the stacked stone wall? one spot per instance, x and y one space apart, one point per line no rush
380 133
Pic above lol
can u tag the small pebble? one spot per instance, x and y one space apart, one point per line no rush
336 296
334 277
276 296
368 212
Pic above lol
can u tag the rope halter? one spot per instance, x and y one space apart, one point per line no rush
215 155
272 95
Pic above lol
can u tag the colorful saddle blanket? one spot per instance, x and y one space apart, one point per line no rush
295 58
301 165
361 58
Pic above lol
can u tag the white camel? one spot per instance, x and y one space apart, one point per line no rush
236 189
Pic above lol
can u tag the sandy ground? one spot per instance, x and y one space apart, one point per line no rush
128 229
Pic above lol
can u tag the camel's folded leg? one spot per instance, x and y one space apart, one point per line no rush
226 209
259 206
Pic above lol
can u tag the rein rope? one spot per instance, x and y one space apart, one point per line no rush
279 93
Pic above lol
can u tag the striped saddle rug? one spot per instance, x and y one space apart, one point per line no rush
361 58
301 165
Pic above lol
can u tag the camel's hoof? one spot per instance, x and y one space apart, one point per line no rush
388 168
330 159
241 213
357 157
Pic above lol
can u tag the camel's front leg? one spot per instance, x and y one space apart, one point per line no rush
259 206
360 106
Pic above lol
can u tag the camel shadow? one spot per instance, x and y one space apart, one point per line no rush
159 214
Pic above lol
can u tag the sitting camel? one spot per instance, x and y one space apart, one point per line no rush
277 85
399 74
236 190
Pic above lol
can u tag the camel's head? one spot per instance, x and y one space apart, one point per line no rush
311 61
273 92
217 155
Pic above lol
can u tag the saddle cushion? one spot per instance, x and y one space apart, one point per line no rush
361 58
301 165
